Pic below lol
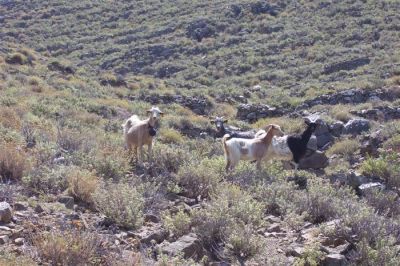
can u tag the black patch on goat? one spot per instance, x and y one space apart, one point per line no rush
298 143
152 131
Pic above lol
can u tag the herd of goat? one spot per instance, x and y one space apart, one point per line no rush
252 145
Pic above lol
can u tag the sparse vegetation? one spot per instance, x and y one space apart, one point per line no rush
67 87
120 203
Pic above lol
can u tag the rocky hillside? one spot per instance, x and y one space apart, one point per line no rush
71 72
301 48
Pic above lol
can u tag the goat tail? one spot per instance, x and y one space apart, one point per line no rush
224 139
126 126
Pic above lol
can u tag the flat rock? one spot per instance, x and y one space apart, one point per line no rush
316 160
146 235
296 251
188 245
356 126
19 241
5 212
4 240
368 187
68 201
274 228
336 129
334 260
20 206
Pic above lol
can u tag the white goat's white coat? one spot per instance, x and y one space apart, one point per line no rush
237 149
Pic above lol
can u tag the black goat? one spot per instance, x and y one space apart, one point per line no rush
223 129
298 143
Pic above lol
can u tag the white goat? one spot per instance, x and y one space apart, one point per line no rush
237 149
141 132
290 147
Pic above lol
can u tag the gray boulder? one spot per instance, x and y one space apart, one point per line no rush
147 235
316 160
356 126
336 129
188 245
335 260
369 187
67 201
5 212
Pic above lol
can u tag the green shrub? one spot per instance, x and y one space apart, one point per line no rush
47 179
384 252
200 178
179 224
82 184
168 135
120 203
386 166
14 162
346 148
69 247
242 243
229 205
17 58
312 256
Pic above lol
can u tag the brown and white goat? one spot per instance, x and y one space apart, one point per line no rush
237 149
141 132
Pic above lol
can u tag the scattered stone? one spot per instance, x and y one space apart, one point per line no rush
274 228
5 212
252 112
188 245
334 260
4 240
68 201
151 218
336 129
356 126
200 29
148 234
272 219
346 65
19 241
59 160
367 188
198 104
39 209
355 179
295 251
20 206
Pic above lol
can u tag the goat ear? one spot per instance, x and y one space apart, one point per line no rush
162 113
226 121
148 111
212 121
307 122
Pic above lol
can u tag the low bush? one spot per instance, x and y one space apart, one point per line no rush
386 166
14 161
82 184
69 247
121 203
200 178
168 135
346 148
46 179
17 58
178 224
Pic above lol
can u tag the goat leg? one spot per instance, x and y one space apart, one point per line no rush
150 152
